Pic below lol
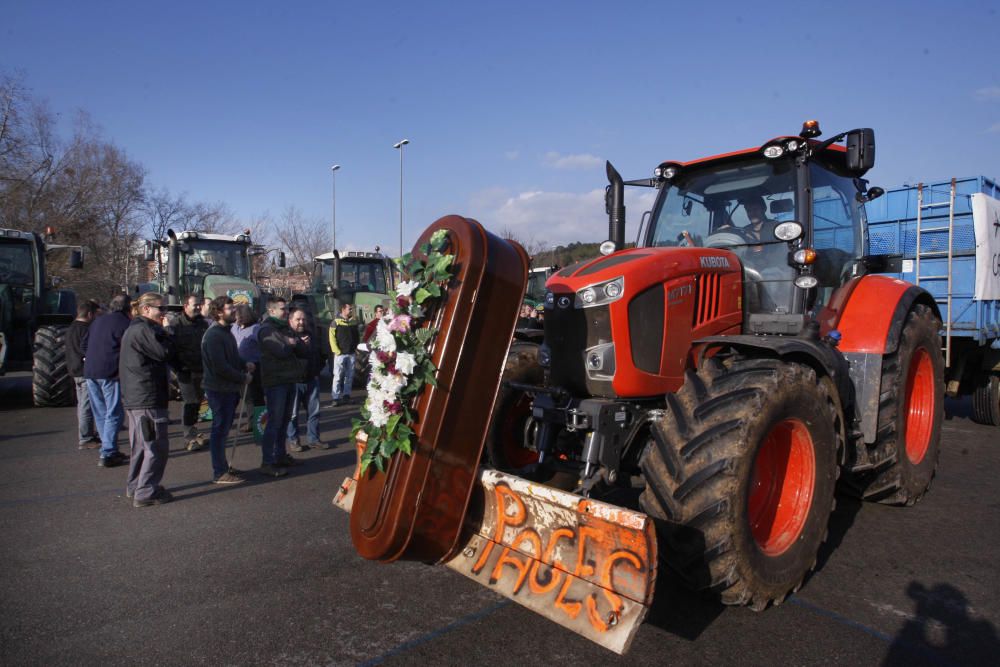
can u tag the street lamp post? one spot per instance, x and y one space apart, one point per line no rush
333 170
399 146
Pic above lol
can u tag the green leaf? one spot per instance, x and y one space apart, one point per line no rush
421 295
434 290
391 425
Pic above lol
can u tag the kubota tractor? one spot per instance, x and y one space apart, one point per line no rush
735 365
723 377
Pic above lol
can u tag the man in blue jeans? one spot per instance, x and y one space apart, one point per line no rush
282 364
100 367
224 376
307 391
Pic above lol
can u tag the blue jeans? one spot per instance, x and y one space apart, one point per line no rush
305 393
343 376
279 400
223 413
84 415
106 404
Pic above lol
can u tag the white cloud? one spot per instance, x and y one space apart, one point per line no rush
548 218
988 93
512 155
579 161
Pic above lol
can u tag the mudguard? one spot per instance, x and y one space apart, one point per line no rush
415 509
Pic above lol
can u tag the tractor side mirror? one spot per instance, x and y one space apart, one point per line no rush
874 193
76 259
860 150
281 259
149 251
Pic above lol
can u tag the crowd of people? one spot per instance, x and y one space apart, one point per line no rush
122 358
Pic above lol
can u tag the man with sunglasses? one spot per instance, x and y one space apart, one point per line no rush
145 353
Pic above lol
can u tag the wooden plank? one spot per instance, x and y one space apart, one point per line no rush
586 565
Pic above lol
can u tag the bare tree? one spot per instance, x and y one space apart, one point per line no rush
303 238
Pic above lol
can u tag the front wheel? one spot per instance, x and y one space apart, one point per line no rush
742 468
512 428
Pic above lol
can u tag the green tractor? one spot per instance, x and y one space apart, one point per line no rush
206 265
363 279
34 317
535 294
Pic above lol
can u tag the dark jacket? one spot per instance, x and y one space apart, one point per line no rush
223 368
146 351
315 357
280 362
103 346
344 337
188 333
76 343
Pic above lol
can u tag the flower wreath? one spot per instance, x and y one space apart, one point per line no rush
399 358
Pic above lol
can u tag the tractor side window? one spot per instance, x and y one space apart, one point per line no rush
836 225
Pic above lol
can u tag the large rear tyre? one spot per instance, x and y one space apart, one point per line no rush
986 400
911 409
742 469
52 386
512 426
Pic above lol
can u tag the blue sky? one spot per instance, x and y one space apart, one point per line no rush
511 107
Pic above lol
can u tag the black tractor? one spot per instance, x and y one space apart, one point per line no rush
34 316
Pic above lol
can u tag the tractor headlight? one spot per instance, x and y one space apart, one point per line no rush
600 294
600 361
788 231
773 151
806 282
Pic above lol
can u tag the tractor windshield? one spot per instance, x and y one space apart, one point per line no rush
362 276
356 275
16 264
736 206
215 258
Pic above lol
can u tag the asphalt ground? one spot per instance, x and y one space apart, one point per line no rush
264 572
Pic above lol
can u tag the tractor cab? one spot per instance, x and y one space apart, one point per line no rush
792 211
363 279
207 265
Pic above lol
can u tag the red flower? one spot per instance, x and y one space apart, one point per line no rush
395 407
403 303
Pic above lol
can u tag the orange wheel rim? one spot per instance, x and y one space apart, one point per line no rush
919 408
782 486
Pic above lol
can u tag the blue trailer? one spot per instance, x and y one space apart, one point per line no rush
926 233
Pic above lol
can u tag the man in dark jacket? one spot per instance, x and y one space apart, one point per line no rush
282 361
224 376
307 390
344 340
76 342
146 351
188 327
100 367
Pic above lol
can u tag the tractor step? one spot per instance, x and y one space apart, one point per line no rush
584 564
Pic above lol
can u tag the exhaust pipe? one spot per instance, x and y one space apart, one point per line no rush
614 206
173 269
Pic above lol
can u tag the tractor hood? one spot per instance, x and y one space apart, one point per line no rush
237 289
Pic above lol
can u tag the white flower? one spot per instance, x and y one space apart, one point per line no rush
379 415
405 362
393 384
406 288
384 338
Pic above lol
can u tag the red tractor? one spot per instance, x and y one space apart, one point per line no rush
724 376
733 366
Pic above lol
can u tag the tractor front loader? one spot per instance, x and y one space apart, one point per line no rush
718 382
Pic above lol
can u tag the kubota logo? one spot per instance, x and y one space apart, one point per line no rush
563 302
715 262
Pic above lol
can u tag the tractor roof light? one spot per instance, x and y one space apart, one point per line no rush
607 247
805 256
806 282
772 151
793 145
810 129
788 231
665 172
